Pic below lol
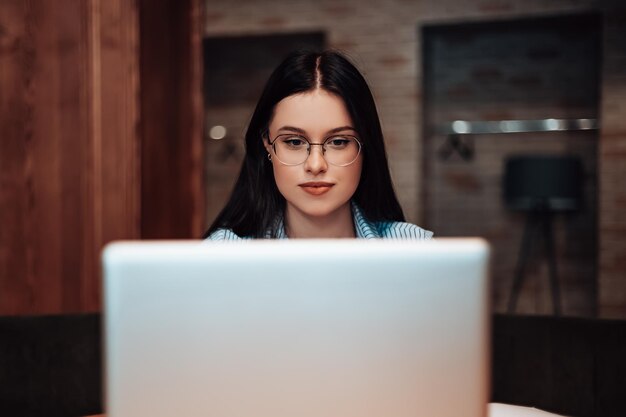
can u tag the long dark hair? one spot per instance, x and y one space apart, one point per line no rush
255 202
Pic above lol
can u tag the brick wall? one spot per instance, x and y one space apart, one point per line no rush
383 39
612 170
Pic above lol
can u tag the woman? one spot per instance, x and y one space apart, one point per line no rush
315 163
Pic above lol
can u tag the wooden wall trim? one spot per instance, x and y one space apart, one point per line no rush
196 102
93 239
171 119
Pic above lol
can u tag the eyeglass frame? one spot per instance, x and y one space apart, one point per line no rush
308 150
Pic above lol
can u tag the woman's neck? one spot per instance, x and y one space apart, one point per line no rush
338 224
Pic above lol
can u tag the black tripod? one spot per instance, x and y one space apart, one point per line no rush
541 185
538 220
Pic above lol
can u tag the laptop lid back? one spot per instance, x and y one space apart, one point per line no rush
267 328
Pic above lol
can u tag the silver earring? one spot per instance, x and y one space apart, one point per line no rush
269 156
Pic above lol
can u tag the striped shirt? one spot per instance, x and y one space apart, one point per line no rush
364 228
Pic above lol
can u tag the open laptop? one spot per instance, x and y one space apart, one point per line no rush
299 328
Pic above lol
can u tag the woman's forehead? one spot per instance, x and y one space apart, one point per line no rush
313 112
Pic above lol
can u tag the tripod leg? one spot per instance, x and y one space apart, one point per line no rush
521 261
554 279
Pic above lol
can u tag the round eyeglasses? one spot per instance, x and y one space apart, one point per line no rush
338 150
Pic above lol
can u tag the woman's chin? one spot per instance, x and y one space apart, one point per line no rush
318 210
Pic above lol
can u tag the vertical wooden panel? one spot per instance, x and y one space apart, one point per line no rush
171 114
72 147
70 143
68 148
16 72
195 125
45 72
117 181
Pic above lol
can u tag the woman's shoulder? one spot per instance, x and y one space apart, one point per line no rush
402 230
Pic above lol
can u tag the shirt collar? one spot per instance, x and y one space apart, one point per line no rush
364 228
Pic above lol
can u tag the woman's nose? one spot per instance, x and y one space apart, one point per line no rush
316 163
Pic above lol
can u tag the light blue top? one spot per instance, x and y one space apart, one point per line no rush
364 228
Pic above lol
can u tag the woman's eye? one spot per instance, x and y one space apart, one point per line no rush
294 142
338 142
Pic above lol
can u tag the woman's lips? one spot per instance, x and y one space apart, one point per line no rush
316 188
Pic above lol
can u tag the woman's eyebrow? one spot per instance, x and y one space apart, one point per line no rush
292 129
303 132
341 129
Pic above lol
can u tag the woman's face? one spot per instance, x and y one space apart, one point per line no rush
314 188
